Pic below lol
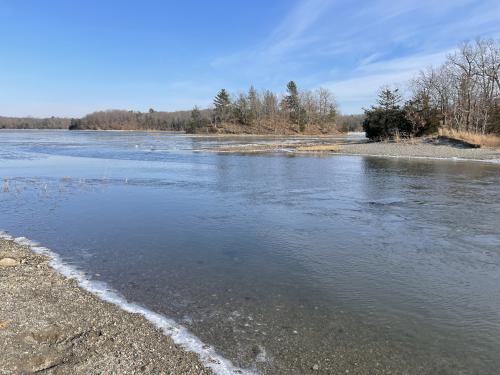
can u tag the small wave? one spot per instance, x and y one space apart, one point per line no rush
179 334
386 202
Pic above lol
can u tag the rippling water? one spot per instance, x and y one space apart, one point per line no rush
283 263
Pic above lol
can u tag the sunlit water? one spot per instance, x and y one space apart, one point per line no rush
286 264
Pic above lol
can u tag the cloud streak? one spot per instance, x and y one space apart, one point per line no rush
292 33
355 49
351 47
357 92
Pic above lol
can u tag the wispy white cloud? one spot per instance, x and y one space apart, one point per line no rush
412 63
351 47
355 49
356 92
292 33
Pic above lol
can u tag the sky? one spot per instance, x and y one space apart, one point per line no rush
70 58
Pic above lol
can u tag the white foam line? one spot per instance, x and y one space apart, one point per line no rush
179 334
451 158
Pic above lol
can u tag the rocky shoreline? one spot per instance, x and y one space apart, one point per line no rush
432 148
49 324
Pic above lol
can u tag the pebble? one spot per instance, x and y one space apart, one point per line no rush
8 262
315 367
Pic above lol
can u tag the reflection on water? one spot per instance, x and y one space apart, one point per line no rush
283 263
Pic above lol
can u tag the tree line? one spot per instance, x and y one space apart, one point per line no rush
132 120
311 111
105 120
34 123
462 94
295 112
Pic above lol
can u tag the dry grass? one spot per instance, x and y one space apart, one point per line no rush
319 148
412 140
405 140
277 147
397 137
482 140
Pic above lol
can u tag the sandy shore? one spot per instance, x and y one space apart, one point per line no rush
50 325
420 149
427 148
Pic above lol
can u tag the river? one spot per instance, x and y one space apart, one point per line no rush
286 264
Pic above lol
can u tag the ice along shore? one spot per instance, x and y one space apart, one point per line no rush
54 320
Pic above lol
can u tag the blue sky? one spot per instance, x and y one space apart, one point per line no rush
69 58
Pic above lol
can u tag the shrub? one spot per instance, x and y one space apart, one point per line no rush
382 124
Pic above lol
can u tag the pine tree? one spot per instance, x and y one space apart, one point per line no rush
222 105
292 99
389 99
196 121
332 113
241 110
254 104
195 115
387 120
298 114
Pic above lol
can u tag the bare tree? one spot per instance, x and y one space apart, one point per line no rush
466 87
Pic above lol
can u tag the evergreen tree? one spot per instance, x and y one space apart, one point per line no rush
254 104
292 99
222 105
389 99
241 110
195 115
387 120
298 114
196 121
74 124
332 113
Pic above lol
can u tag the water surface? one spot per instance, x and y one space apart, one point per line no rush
281 262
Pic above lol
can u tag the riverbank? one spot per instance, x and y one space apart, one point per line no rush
49 324
433 148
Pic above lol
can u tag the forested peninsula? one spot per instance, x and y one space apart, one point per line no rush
253 112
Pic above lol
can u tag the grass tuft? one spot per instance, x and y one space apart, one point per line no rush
319 148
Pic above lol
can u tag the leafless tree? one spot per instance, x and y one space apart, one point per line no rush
466 87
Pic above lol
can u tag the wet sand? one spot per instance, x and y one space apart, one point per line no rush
50 325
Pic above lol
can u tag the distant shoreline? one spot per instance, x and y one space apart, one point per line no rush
181 132
96 130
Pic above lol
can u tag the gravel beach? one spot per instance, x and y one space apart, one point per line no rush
420 149
432 148
50 325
